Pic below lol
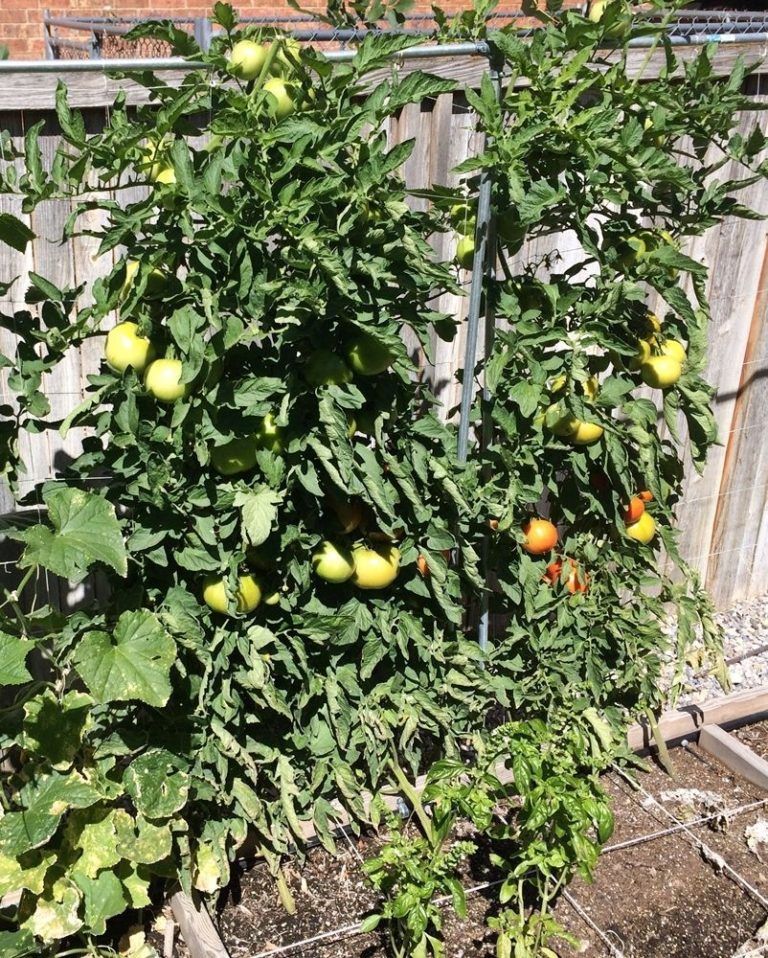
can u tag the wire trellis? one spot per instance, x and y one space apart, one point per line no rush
106 36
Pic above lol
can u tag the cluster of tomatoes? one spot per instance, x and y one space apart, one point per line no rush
541 537
373 566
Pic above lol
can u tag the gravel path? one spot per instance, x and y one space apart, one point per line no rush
746 652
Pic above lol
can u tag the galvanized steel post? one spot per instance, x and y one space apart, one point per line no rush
483 270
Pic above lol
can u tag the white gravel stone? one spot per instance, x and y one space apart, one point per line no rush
745 637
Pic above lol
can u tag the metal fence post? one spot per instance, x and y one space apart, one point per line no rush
483 269
203 31
47 45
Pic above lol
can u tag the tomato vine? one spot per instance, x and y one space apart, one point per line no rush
295 551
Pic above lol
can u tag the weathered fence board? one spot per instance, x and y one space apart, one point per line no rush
723 512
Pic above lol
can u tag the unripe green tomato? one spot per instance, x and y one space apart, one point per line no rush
333 563
675 349
156 284
125 347
465 252
166 175
247 598
153 158
324 368
631 253
163 380
289 50
661 372
463 217
586 433
269 435
236 456
247 59
367 356
375 568
280 103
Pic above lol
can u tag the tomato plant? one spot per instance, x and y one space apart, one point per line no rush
256 405
294 551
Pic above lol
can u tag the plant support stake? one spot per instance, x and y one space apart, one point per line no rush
483 267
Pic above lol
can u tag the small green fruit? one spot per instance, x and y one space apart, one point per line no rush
465 252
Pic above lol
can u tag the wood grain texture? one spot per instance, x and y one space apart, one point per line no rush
736 756
730 711
198 931
37 91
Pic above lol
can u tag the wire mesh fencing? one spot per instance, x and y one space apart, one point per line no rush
105 38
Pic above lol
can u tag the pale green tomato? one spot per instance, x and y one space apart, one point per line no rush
238 455
333 563
325 368
289 50
279 101
247 598
163 380
247 59
125 347
166 175
157 280
367 356
465 252
661 372
269 435
375 568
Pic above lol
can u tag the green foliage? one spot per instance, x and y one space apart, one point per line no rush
182 730
150 735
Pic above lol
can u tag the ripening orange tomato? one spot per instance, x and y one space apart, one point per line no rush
540 536
493 525
421 565
552 574
634 510
645 495
577 580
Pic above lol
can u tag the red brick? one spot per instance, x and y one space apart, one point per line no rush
21 21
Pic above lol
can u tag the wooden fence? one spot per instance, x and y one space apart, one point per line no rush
723 515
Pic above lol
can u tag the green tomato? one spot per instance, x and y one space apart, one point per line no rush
333 563
463 216
325 368
216 597
375 568
509 230
153 158
280 103
238 455
157 280
247 59
288 52
631 250
163 380
367 356
125 347
465 252
269 435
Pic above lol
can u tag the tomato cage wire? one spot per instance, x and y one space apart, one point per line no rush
484 256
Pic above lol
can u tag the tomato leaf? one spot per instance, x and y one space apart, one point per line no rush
259 512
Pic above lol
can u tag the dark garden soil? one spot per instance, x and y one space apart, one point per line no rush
663 898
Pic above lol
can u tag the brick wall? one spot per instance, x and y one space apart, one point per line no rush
21 21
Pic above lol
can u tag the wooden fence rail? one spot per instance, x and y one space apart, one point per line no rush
723 515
